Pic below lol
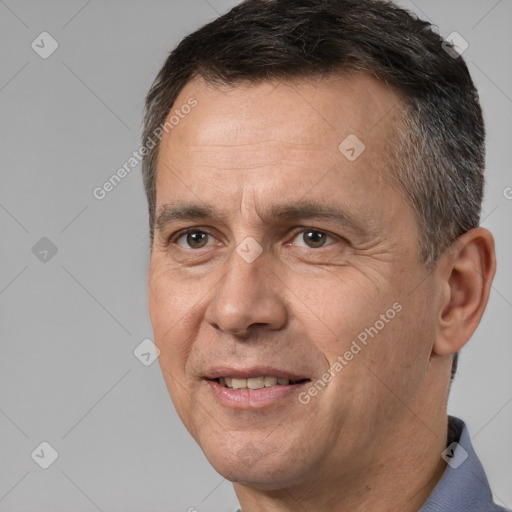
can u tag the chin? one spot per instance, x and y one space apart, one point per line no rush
260 465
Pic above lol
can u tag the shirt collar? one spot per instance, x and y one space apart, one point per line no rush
463 485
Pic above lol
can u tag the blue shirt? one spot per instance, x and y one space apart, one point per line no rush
463 486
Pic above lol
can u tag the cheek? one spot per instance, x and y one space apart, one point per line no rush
382 333
342 307
168 307
170 303
397 355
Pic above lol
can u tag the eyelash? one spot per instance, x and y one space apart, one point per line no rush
174 238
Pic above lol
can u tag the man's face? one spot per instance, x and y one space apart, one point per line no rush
278 255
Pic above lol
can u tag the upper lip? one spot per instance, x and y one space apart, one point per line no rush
252 371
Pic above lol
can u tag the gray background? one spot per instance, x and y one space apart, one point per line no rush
69 324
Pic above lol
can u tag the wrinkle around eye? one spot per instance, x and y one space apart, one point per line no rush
176 245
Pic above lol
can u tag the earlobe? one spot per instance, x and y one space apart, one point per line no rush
470 268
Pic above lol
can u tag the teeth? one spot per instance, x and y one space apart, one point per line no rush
270 381
256 382
239 383
253 382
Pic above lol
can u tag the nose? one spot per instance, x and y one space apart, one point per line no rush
249 297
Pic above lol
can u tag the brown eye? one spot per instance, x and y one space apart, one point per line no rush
312 239
193 240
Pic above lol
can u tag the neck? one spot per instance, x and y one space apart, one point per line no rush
400 475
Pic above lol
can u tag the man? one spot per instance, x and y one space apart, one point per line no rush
314 173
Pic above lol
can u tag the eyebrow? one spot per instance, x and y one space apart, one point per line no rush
303 209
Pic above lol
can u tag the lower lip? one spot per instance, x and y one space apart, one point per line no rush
252 398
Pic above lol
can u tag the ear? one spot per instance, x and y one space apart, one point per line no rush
468 270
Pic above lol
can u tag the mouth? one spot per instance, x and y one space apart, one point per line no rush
255 388
264 381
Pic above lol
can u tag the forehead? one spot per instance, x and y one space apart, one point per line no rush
253 138
315 112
